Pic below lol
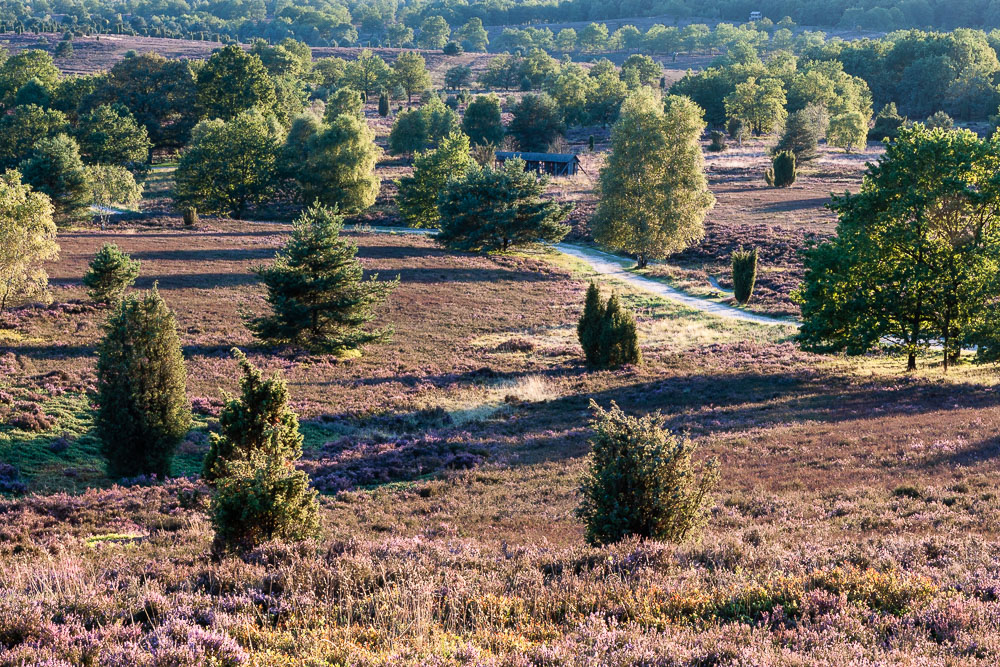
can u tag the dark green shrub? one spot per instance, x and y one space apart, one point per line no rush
262 499
619 340
640 480
718 141
590 144
452 49
887 123
939 120
111 273
744 273
781 174
259 421
383 104
259 495
588 329
143 410
190 216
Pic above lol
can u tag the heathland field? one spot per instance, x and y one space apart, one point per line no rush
855 519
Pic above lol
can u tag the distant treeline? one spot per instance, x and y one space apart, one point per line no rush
402 23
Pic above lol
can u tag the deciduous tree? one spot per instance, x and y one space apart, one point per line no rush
653 191
27 240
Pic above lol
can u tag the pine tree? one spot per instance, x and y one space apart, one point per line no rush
496 209
654 194
318 298
588 329
619 340
418 194
111 273
143 411
55 168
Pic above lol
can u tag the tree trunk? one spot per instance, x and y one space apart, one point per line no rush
911 362
641 261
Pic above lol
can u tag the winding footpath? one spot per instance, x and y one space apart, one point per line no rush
614 266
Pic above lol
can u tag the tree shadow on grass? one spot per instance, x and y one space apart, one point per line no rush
178 281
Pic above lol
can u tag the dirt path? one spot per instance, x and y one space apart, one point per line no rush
613 266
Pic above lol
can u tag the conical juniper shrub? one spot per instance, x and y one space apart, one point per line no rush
619 338
259 495
641 481
143 409
744 264
259 420
588 329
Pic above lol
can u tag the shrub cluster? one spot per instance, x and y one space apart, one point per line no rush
607 331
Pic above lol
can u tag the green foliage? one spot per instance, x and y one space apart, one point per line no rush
495 209
111 273
418 194
744 265
143 411
434 32
618 343
23 128
22 67
315 289
482 121
343 101
27 239
416 129
112 185
383 104
232 82
367 73
759 104
261 499
410 73
718 143
803 130
457 77
257 422
640 480
190 215
653 192
161 94
911 267
110 135
339 167
647 70
54 167
848 130
472 36
536 123
939 119
229 166
782 171
887 123
588 329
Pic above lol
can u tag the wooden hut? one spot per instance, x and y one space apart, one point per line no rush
554 164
